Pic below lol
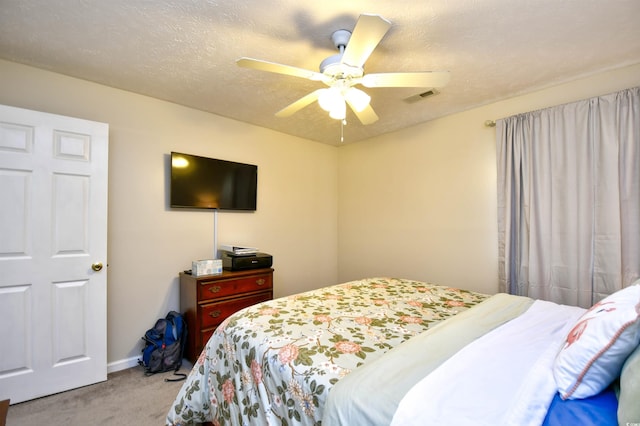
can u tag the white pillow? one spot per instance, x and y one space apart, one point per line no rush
597 346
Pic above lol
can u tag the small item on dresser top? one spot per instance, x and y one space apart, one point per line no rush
206 267
238 250
234 262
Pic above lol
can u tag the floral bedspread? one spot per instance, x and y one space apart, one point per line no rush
275 362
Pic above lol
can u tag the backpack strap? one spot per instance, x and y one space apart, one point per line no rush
179 377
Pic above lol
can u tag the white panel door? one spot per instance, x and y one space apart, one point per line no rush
53 242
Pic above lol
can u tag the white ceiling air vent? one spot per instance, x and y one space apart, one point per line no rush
421 96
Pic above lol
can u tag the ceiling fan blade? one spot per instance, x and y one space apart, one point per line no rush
299 104
366 115
366 35
261 65
406 79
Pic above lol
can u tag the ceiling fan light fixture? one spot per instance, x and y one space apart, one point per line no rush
358 100
339 110
330 99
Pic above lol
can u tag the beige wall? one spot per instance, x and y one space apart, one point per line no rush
149 244
421 203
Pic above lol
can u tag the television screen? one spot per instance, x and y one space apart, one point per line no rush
208 183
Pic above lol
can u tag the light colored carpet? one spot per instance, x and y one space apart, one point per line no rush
128 397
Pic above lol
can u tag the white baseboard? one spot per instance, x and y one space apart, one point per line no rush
123 364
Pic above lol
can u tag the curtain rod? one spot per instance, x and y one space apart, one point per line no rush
490 123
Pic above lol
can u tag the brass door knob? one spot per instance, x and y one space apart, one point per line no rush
97 266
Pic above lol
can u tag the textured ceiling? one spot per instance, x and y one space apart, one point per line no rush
185 51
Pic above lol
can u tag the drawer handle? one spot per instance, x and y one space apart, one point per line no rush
215 314
260 281
215 289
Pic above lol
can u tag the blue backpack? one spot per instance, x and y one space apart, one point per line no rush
164 346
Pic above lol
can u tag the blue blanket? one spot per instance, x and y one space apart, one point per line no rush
598 410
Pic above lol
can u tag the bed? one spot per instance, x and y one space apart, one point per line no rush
389 351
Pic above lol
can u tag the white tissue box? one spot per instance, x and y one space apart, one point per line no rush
206 267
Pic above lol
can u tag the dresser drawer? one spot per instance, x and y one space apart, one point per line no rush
214 313
204 337
209 290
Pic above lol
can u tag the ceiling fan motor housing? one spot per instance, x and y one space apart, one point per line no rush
333 66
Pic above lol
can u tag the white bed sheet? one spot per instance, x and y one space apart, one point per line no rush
503 378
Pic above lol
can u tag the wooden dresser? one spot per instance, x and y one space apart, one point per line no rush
208 300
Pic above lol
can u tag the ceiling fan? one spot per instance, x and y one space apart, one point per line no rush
342 72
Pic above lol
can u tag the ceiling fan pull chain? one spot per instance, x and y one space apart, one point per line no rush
342 124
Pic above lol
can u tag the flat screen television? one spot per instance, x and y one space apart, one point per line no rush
208 183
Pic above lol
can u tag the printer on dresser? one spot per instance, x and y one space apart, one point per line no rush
207 300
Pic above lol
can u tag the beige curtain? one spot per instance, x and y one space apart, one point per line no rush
569 199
